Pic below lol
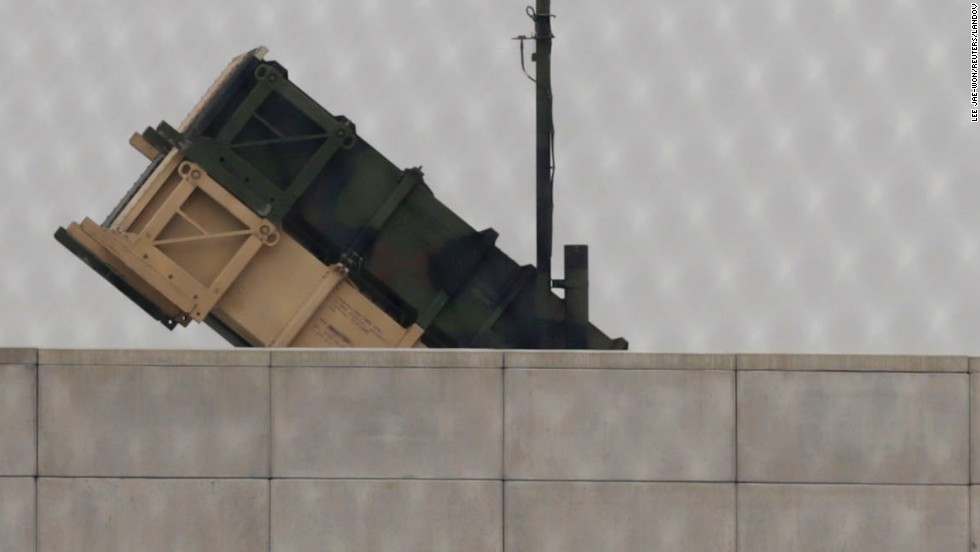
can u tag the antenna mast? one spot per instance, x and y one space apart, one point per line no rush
576 282
544 149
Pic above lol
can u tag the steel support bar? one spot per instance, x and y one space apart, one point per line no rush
353 255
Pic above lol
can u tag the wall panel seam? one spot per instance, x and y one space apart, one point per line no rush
738 369
503 455
37 448
270 453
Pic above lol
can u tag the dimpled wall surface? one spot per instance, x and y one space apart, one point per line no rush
768 175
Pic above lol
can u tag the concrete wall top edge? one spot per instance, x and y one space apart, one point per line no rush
18 356
153 357
617 360
387 358
853 363
477 358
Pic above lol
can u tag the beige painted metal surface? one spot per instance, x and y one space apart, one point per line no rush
193 249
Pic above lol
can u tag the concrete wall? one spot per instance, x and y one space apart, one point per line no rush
259 450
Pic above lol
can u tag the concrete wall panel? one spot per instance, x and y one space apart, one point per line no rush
620 425
853 427
18 414
16 514
387 422
153 515
852 518
378 515
619 517
120 421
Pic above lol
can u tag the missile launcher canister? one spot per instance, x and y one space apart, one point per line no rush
269 219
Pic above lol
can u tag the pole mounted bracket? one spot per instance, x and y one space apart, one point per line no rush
534 15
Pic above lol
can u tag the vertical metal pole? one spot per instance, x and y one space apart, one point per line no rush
545 136
576 297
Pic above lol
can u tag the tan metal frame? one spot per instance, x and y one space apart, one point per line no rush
288 312
141 252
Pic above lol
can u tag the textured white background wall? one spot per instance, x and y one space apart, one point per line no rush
758 175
